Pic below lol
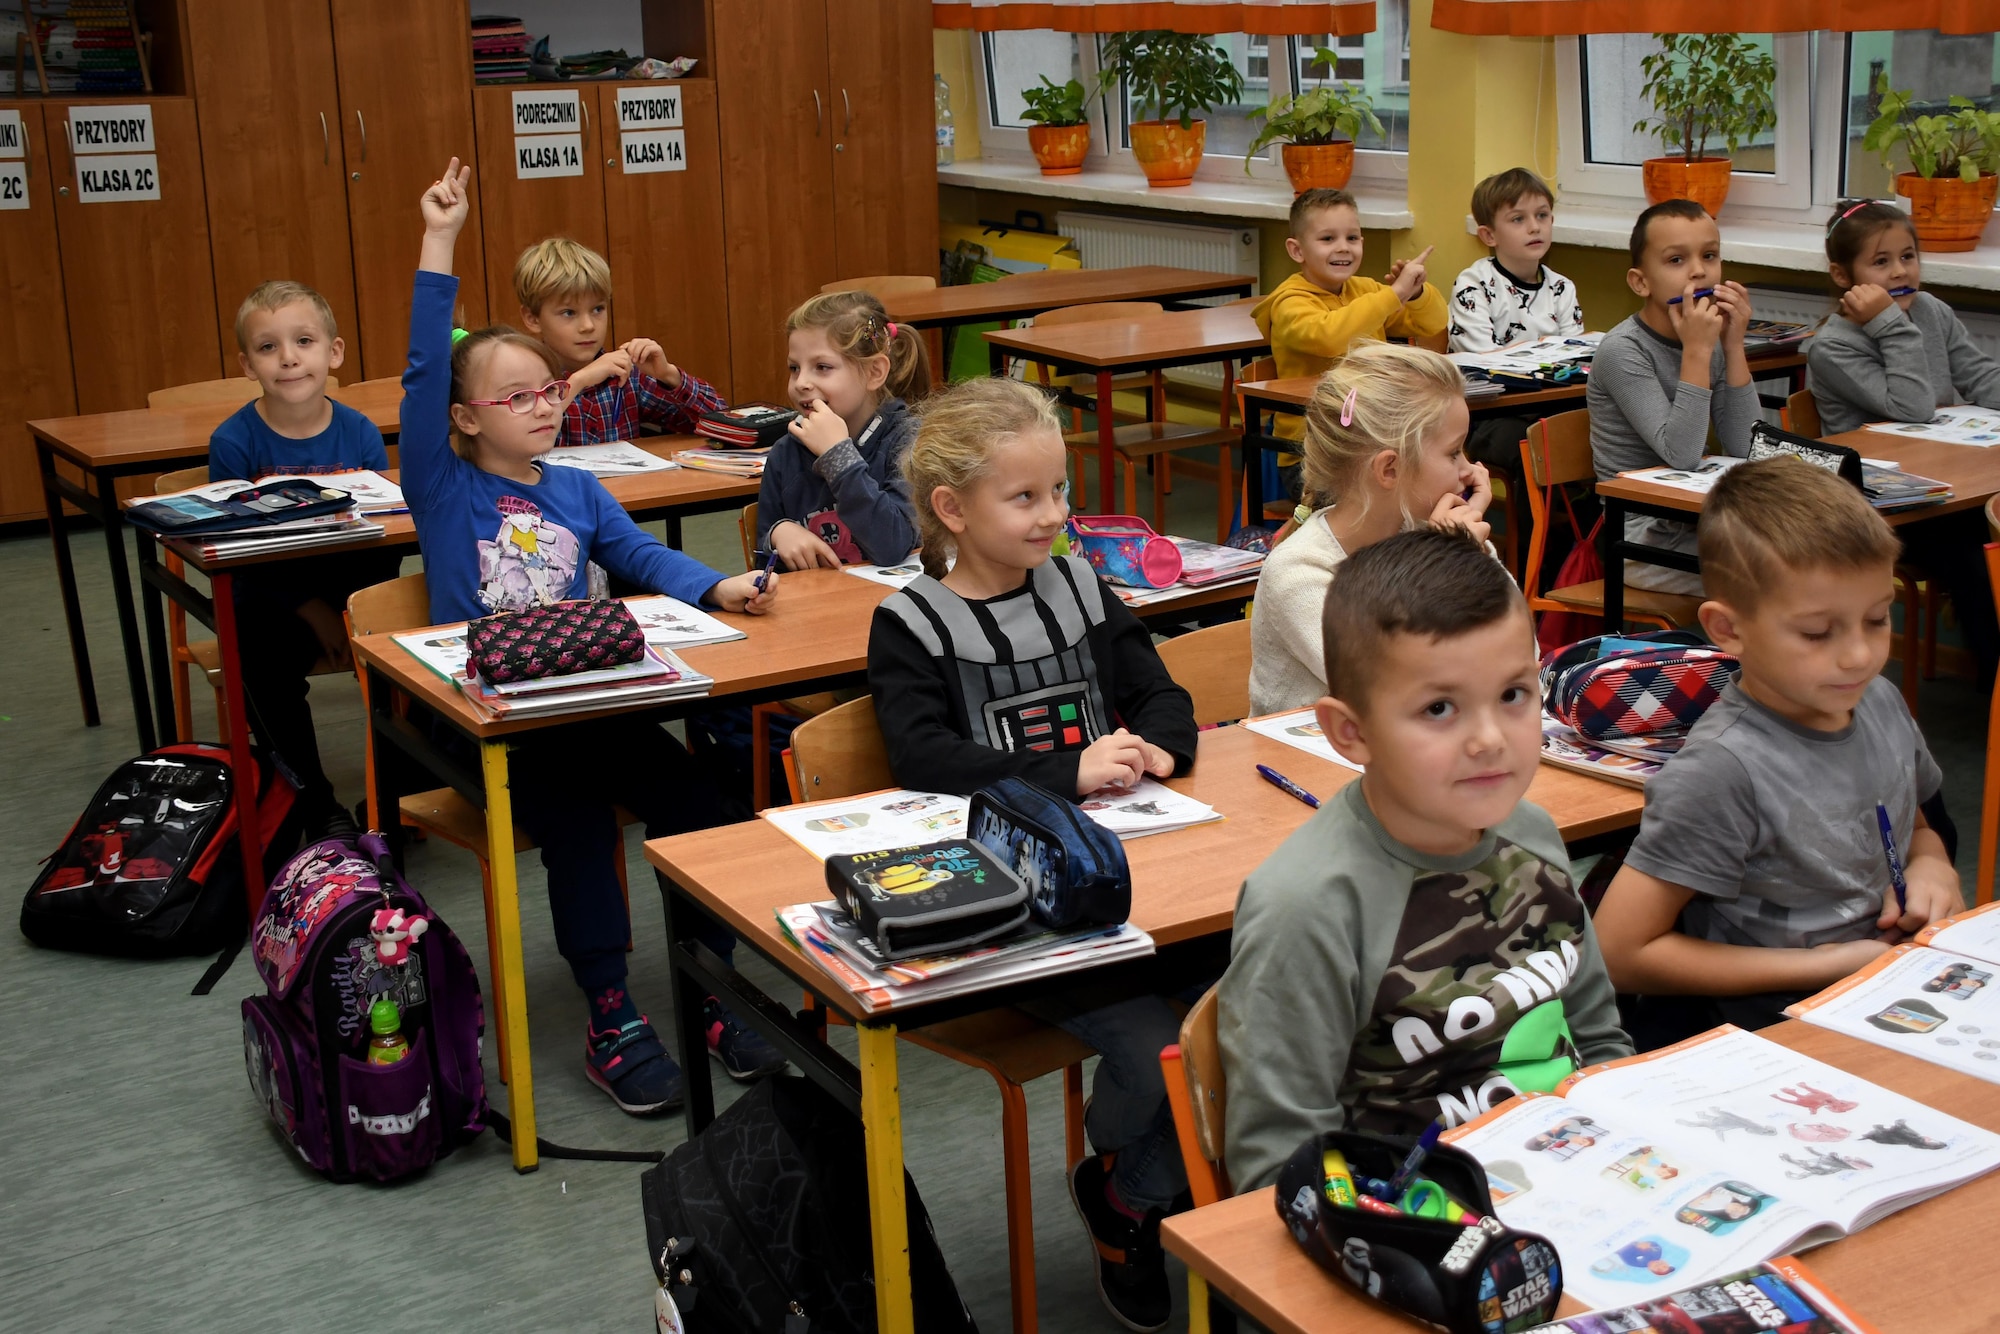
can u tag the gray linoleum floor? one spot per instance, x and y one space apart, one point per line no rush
143 1188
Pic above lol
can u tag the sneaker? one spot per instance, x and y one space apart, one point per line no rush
1131 1267
632 1065
744 1055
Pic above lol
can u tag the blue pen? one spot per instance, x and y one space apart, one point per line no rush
1699 293
1902 291
769 566
1888 829
1414 1163
1286 785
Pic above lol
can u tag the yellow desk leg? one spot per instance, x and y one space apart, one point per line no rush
506 928
1197 1303
882 1121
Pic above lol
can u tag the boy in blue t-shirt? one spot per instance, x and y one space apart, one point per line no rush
290 611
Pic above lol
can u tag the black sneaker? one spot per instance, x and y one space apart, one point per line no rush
1131 1267
633 1067
744 1055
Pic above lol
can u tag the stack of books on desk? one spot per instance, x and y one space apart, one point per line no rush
1891 489
736 462
499 49
217 534
1203 565
751 426
1627 760
824 933
658 677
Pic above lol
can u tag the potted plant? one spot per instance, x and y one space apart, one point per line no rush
1060 135
1703 88
1173 77
1951 183
1318 127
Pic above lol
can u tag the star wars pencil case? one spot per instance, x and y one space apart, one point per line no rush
559 639
1615 686
1124 549
1073 868
931 898
1446 1260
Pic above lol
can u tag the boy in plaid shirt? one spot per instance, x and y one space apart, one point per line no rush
565 293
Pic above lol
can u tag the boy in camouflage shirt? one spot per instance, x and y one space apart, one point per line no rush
1416 951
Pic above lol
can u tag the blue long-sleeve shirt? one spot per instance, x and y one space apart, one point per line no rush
244 446
853 497
493 544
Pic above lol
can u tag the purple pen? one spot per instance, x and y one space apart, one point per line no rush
1699 293
769 566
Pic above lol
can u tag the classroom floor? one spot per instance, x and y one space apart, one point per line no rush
145 1189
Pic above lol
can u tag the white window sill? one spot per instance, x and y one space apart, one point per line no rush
1782 245
1241 197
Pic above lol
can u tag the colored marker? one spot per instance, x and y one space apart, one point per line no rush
1888 829
1699 293
1339 1181
1287 786
1375 1206
769 566
1902 291
1419 1151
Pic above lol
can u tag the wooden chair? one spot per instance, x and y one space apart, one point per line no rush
1989 801
1557 452
1193 1068
1080 391
404 604
839 754
1213 666
232 392
881 285
1801 415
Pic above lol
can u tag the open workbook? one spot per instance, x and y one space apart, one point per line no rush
1684 1164
1932 998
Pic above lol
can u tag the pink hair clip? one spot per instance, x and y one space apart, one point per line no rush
892 328
1347 407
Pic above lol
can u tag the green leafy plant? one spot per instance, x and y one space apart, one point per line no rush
1174 75
1963 143
1707 87
1055 103
1327 114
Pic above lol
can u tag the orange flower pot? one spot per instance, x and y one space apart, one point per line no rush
1060 148
1704 180
1318 166
1167 153
1949 213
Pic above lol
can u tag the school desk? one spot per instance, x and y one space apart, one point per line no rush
1923 1270
1022 295
109 445
1184 895
1154 342
1972 471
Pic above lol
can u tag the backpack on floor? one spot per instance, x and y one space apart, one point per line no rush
327 947
759 1225
152 867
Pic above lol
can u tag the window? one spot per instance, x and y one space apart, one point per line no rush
1016 60
1929 64
1379 61
1230 127
1612 103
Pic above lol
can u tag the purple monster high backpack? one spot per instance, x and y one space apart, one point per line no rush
340 928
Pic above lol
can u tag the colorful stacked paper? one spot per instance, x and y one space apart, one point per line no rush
499 49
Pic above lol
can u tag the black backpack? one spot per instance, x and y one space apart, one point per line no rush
152 868
759 1225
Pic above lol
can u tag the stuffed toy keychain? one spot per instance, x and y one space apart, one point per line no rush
395 931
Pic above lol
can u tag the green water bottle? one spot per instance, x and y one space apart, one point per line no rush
388 1046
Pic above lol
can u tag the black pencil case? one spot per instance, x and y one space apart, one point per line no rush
253 507
931 898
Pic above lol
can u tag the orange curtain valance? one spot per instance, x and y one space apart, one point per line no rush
1560 18
1275 17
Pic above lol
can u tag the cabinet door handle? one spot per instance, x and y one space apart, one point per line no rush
849 130
584 107
70 144
819 114
325 143
364 133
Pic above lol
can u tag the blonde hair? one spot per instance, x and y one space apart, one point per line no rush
961 427
859 327
275 295
559 267
1400 395
1782 514
479 346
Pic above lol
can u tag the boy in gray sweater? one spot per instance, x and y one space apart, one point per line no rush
1661 377
1416 951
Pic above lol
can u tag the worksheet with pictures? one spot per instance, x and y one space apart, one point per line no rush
871 823
1674 1167
1300 729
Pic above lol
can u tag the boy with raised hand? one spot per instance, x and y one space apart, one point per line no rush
290 612
1662 376
565 293
1759 874
1416 951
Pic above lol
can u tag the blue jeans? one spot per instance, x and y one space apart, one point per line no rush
1129 1113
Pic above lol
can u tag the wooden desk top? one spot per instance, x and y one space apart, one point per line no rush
1973 471
1177 335
1920 1271
1184 883
1025 294
159 435
1296 390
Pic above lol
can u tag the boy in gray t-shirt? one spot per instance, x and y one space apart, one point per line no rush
1759 873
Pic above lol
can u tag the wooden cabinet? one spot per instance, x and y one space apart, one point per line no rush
34 327
135 274
272 156
521 207
885 155
664 240
405 76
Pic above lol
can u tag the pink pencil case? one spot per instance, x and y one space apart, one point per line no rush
1124 549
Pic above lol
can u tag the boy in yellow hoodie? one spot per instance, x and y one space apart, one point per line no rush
1314 314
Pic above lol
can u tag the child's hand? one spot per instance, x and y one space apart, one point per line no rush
1933 893
1468 515
1864 301
1158 763
651 358
446 203
613 365
1734 300
1406 276
1848 956
739 593
819 428
328 628
799 549
1698 324
1118 757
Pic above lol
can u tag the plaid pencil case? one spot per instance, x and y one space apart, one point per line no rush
559 639
1616 686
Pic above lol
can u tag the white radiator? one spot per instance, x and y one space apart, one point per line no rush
1108 241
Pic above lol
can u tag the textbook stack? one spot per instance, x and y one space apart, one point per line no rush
1203 565
735 462
751 426
1628 760
499 49
658 677
261 537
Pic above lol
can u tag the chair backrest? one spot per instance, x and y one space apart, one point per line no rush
1098 312
840 753
1213 666
1193 1070
746 528
1263 368
399 604
1556 451
882 284
234 391
180 480
1993 527
1437 342
376 383
1802 414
